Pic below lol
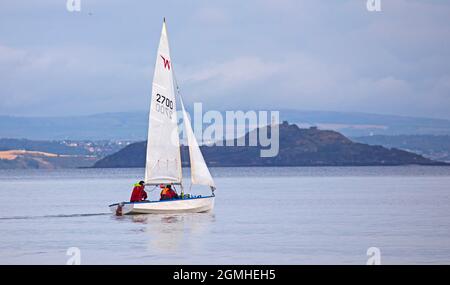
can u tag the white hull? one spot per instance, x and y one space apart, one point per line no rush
191 205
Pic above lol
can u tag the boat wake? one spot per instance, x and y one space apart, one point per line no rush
53 216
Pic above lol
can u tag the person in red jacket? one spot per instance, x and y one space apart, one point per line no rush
138 193
167 193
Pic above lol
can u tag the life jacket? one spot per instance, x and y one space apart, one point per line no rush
167 193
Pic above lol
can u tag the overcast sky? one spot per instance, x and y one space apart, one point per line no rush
261 54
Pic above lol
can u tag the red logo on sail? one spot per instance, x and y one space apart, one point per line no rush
166 62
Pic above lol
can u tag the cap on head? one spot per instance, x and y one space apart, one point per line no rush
169 186
141 182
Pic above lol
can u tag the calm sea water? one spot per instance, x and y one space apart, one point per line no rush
321 215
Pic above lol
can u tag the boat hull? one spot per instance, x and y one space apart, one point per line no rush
190 205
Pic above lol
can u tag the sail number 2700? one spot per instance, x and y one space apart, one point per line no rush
165 105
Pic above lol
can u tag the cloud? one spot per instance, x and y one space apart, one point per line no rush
232 73
329 55
53 78
210 15
10 55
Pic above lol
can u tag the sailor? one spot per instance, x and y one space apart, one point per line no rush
167 193
138 193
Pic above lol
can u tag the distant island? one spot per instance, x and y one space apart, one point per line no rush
298 147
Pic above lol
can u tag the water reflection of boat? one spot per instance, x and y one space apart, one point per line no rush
170 233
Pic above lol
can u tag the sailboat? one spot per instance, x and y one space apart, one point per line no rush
163 157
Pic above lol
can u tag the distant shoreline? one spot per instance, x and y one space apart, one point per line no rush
272 166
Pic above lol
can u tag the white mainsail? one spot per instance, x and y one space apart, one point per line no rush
163 161
199 170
